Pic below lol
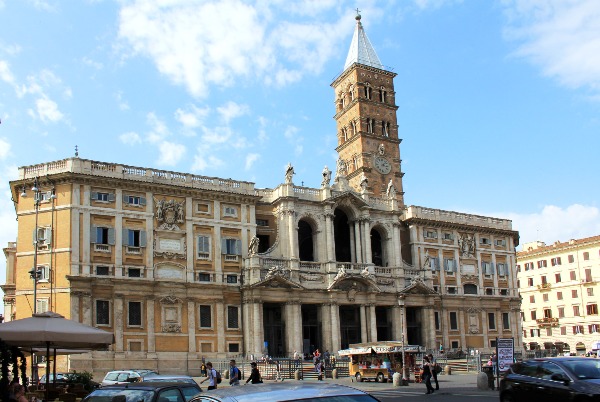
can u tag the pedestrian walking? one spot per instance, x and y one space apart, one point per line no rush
319 368
435 369
426 376
254 377
211 376
234 374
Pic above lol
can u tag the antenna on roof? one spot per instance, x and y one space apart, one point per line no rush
76 152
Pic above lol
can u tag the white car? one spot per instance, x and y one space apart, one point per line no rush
120 377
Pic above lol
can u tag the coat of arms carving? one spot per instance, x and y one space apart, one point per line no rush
169 213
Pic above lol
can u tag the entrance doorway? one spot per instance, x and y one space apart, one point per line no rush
274 329
413 326
384 326
311 328
349 325
341 229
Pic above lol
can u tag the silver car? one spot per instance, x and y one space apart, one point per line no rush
305 392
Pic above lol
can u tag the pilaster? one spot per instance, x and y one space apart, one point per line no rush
151 331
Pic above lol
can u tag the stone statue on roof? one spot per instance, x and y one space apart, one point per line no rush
289 173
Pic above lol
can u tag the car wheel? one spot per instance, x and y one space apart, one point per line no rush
359 378
380 377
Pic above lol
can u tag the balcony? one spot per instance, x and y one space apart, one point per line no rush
544 286
547 322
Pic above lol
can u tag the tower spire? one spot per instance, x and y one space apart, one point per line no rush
361 51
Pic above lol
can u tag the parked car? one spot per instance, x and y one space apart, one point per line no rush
61 378
146 391
121 377
144 372
169 378
305 391
555 379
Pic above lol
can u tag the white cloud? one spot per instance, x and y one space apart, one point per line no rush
4 148
204 160
159 130
47 110
5 73
170 153
554 223
262 132
123 105
561 37
193 117
250 159
92 63
199 44
130 138
232 110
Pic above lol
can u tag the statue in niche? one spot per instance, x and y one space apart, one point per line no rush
326 177
466 244
253 247
426 261
289 173
364 182
391 190
341 168
381 149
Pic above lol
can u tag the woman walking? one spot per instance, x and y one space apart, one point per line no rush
426 376
254 375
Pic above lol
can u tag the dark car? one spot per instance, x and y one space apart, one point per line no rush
169 378
61 378
146 391
554 379
306 392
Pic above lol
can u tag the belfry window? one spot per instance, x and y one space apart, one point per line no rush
382 94
368 91
354 130
385 129
370 123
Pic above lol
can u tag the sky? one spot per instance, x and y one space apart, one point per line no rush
498 100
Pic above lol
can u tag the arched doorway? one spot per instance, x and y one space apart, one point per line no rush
343 252
305 241
377 248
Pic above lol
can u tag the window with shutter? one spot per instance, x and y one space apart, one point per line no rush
205 317
232 317
102 312
134 314
203 247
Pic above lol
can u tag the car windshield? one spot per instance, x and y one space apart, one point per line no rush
341 398
584 369
111 376
120 395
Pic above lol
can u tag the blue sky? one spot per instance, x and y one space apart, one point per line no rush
498 100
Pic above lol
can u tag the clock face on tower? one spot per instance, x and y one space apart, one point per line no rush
382 165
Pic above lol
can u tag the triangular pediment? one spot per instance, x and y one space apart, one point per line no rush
348 198
417 287
277 281
358 282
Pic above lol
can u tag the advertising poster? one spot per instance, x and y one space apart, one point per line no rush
506 353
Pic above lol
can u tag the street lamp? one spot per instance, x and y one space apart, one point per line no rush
35 272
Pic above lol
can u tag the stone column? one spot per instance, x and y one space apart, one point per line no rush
363 324
358 242
218 253
367 234
86 227
75 303
461 328
118 243
330 238
459 269
396 323
76 229
372 323
353 253
150 324
118 301
496 290
335 328
326 328
86 310
258 329
190 241
191 313
395 257
290 327
485 330
291 233
221 325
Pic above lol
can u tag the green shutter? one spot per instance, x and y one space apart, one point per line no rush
238 247
125 239
48 235
111 236
111 197
94 195
142 200
142 238
93 234
223 246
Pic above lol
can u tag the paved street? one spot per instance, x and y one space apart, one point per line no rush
453 388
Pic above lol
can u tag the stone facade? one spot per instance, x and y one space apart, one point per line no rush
559 287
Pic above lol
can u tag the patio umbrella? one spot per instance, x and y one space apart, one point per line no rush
53 331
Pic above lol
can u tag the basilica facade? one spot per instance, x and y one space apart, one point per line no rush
182 267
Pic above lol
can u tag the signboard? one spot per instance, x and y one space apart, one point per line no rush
506 353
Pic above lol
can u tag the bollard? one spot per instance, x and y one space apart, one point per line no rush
297 375
482 381
334 374
226 374
397 379
447 369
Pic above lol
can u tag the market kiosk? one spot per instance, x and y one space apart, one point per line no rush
379 361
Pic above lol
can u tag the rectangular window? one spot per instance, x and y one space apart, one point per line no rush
231 247
262 222
450 265
102 235
484 240
436 317
448 236
203 247
232 279
563 330
586 256
487 267
528 266
531 299
557 277
588 275
577 329
529 281
574 294
571 258
505 321
203 277
430 234
134 272
41 305
232 317
545 297
542 264
500 242
533 315
576 311
573 275
134 200
503 292
234 348
556 261
102 270
205 317
590 291
133 238
453 321
593 328
502 269
134 313
592 309
454 344
547 313
202 208
548 331
561 312
544 280
559 296
102 312
451 290
492 321
230 211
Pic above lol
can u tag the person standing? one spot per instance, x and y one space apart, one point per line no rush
434 371
426 376
203 370
211 376
319 369
326 358
254 377
234 374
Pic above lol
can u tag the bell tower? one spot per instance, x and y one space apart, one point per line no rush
367 128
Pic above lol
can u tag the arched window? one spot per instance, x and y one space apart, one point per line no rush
354 129
385 128
470 289
382 94
370 126
368 91
351 94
